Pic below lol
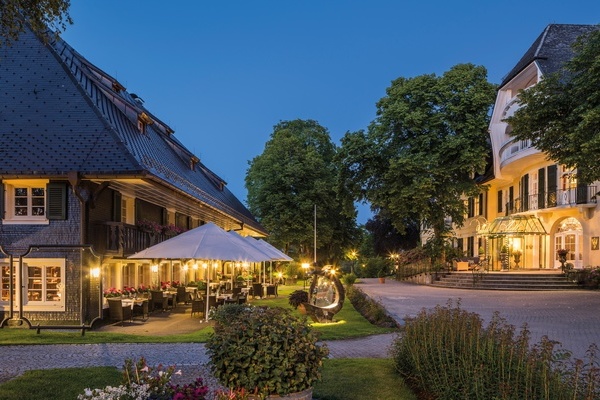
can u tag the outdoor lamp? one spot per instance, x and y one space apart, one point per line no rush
195 266
95 272
154 268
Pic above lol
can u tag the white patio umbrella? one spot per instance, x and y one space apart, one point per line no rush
278 253
207 242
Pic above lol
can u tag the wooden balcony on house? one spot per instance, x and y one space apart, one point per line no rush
581 196
121 239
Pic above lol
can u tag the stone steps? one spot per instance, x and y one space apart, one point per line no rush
505 281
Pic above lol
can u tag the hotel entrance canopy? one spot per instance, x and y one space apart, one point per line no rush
513 225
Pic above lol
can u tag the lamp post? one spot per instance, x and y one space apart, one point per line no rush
354 257
305 267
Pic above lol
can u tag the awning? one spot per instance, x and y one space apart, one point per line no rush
513 225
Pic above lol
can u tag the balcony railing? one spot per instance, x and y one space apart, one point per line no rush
512 148
559 198
122 239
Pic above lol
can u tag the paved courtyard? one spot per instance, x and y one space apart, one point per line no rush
571 317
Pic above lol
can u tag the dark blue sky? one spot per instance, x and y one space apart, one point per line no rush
223 73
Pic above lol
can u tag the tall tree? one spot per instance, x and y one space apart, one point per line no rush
561 113
420 154
295 172
387 239
38 14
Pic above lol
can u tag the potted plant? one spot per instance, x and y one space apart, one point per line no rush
266 351
381 274
517 257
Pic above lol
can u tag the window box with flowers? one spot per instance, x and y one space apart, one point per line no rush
149 226
171 230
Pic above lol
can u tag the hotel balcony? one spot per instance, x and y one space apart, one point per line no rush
514 156
582 196
120 239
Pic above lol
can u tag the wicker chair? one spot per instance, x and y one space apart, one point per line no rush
257 290
158 300
182 295
119 312
141 309
198 306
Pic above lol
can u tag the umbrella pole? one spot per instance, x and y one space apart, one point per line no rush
206 301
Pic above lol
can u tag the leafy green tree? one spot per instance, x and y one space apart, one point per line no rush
561 113
387 239
38 14
420 154
295 172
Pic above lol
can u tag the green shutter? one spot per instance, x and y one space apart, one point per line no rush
1 200
56 201
116 211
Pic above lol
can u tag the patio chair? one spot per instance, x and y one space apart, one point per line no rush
141 309
257 290
236 291
182 295
242 298
212 302
272 290
119 312
198 306
158 300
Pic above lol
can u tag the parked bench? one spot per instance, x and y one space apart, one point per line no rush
81 327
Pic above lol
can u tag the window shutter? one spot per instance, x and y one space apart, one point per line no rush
552 179
116 211
1 200
56 201
541 188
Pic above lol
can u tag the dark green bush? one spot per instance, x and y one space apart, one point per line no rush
373 311
265 350
449 354
374 265
349 279
298 297
228 313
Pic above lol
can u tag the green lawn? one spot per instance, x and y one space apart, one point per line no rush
348 323
343 379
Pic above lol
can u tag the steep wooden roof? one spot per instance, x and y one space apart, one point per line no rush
60 113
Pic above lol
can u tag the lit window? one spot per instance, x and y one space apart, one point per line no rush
29 202
45 282
26 201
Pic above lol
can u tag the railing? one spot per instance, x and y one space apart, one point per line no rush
511 148
558 198
123 239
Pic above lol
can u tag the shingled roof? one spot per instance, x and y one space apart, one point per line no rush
551 49
60 113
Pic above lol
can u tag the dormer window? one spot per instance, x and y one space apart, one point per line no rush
193 161
143 121
117 87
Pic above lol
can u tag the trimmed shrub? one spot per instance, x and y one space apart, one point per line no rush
298 297
373 311
349 279
265 351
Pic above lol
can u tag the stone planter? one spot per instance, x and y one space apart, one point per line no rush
303 395
382 280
